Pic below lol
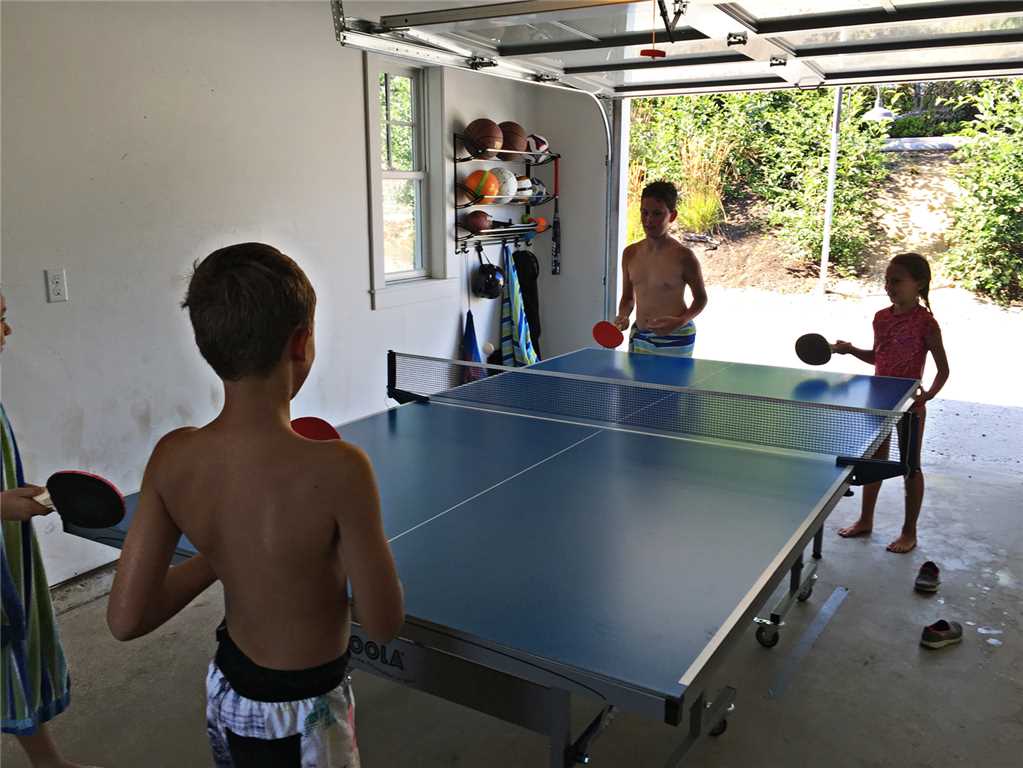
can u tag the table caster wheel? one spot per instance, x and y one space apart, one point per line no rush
720 728
767 636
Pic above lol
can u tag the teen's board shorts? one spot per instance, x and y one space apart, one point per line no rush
677 343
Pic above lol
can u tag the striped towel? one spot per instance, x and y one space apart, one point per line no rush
36 685
516 346
677 343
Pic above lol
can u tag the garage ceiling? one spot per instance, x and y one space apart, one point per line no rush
595 45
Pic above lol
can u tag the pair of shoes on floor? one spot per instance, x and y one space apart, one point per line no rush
928 579
941 633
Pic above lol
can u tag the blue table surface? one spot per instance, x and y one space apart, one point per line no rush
615 552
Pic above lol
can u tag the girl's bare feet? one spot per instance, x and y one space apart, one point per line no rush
859 528
903 544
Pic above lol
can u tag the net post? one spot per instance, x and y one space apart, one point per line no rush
392 380
867 471
392 373
909 441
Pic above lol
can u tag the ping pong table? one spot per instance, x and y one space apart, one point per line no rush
604 524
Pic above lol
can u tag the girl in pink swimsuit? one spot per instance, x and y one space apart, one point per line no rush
903 335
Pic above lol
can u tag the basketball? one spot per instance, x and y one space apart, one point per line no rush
477 221
483 184
513 137
509 185
484 134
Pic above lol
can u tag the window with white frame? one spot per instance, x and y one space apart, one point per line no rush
402 173
410 257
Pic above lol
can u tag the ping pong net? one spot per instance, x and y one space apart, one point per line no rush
850 434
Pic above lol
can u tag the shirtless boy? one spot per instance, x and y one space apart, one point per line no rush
285 523
655 273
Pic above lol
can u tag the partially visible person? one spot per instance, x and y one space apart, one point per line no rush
903 335
285 523
36 684
655 273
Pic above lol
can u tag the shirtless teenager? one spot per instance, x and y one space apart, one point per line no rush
285 523
655 273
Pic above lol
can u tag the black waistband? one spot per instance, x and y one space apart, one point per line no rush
262 684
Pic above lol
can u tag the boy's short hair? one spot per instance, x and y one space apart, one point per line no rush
244 302
664 191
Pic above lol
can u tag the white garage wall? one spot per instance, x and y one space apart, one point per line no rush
574 300
136 138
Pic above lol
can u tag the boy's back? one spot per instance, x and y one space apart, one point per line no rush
263 506
284 522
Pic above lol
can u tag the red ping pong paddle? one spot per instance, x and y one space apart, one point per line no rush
813 349
83 499
315 428
607 334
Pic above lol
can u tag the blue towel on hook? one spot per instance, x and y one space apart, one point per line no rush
470 350
516 345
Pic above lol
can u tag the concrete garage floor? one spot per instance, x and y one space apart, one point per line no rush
865 694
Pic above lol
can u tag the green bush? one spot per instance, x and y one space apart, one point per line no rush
634 219
801 223
699 211
778 144
943 100
987 230
660 126
912 126
794 149
701 187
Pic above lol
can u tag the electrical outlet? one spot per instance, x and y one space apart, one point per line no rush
56 285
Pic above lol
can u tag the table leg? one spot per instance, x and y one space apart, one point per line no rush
801 581
705 716
556 705
795 574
